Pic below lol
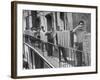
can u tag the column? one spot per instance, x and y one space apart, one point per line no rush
58 20
65 21
30 20
54 21
70 21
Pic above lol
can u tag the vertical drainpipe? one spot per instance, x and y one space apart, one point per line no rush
54 25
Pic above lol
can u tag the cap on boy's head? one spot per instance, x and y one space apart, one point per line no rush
81 22
42 27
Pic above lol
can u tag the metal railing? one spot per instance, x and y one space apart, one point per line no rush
55 55
36 52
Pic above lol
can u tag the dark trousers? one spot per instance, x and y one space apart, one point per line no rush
79 54
25 65
62 49
50 47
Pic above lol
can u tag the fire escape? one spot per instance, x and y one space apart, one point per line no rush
36 58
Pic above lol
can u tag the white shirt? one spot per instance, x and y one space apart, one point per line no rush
43 37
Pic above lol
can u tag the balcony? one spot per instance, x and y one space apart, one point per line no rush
36 54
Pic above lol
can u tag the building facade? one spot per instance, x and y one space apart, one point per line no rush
58 21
